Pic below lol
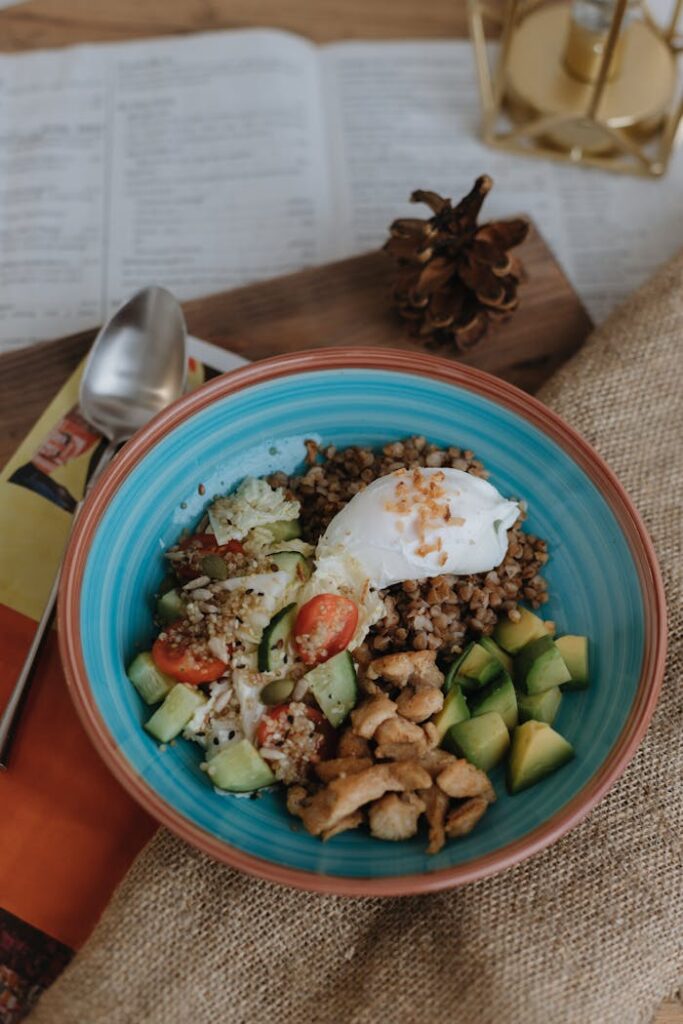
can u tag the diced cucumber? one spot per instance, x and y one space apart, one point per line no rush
284 529
539 666
513 636
173 715
335 687
537 750
574 651
274 645
277 692
539 707
498 696
476 668
454 710
171 606
151 684
490 645
239 768
482 740
293 563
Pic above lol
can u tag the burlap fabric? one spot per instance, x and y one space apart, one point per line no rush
587 932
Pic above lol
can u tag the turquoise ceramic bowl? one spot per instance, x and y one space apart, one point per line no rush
602 576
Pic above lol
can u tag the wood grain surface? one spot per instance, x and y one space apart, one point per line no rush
28 379
344 303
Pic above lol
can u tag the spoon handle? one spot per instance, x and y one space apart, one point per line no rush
10 716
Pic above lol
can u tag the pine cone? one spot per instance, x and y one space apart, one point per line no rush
456 275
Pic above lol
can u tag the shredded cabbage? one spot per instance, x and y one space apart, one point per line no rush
254 503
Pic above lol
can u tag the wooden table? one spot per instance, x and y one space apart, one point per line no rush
50 23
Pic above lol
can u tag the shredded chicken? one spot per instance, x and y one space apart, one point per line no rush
436 806
435 761
343 796
395 816
351 745
371 713
399 730
296 797
407 667
340 767
420 703
343 825
460 779
463 819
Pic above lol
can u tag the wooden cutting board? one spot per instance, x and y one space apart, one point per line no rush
344 303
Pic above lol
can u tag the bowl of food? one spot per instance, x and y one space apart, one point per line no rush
363 622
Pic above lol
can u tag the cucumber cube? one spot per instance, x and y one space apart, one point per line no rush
239 768
539 707
482 740
539 666
171 606
173 715
284 529
335 687
151 684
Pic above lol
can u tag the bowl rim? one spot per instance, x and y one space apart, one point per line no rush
441 370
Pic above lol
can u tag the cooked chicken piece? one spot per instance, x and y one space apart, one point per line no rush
371 713
461 779
343 796
343 825
434 761
407 667
463 819
368 686
399 740
431 735
436 805
395 817
419 703
296 797
351 745
341 766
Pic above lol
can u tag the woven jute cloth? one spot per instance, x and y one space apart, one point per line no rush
589 931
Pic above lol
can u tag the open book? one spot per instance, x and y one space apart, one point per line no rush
204 162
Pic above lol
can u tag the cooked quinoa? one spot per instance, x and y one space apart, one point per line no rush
441 613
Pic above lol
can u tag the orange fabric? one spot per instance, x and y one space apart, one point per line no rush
69 831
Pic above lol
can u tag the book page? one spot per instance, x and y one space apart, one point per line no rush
403 116
196 163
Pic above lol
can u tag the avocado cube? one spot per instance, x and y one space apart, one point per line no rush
498 696
454 710
239 768
539 666
541 707
475 668
490 645
483 741
513 636
537 750
574 651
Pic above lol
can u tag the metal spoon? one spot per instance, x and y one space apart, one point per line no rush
136 367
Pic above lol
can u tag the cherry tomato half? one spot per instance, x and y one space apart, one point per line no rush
179 661
324 626
274 727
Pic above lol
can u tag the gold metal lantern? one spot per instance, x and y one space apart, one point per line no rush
587 81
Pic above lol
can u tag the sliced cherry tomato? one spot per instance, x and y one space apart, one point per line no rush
324 626
273 731
179 660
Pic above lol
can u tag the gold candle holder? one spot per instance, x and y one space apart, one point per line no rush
587 82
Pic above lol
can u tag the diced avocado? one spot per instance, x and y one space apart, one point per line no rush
173 715
574 651
482 740
274 643
513 636
151 684
335 687
537 750
276 692
171 606
476 668
541 707
498 696
490 645
452 678
539 666
293 563
454 710
284 529
239 768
